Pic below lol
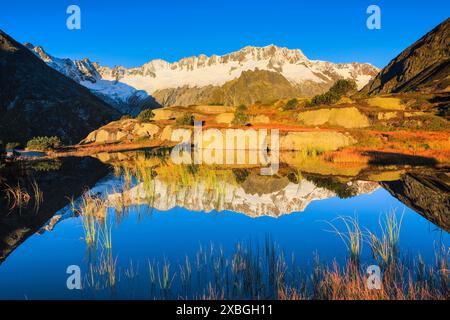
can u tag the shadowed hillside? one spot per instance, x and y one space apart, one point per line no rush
424 66
36 100
427 194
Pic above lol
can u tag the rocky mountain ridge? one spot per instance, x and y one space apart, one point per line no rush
424 66
195 79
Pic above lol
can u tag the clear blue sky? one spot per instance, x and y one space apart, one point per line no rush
133 32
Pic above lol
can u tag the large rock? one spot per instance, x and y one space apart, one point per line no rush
388 103
343 117
319 141
164 114
145 130
225 118
261 119
166 134
117 131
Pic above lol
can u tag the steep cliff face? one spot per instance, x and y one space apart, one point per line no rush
36 100
424 66
427 194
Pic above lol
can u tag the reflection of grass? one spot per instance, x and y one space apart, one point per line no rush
98 235
91 210
17 196
38 195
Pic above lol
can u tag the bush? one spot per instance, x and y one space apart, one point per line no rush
145 115
340 88
326 98
44 143
186 120
291 105
343 87
240 118
125 117
341 189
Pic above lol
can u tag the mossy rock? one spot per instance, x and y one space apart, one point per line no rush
349 117
386 103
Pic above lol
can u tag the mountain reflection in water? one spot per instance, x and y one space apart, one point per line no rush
134 182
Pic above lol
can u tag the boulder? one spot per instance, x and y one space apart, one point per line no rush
349 117
166 134
342 117
260 119
386 115
164 114
319 141
225 118
143 130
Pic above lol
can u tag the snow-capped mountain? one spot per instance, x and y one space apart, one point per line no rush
119 95
293 197
200 71
132 89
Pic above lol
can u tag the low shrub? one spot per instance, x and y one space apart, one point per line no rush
145 116
44 143
240 118
186 120
291 105
340 88
241 108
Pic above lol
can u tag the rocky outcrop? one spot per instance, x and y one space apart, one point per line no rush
117 131
424 66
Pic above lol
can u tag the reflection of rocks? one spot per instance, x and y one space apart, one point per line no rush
257 184
57 186
283 197
428 194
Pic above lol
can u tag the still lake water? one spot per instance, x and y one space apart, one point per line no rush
190 209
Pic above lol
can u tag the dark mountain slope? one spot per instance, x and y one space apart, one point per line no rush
37 100
424 66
